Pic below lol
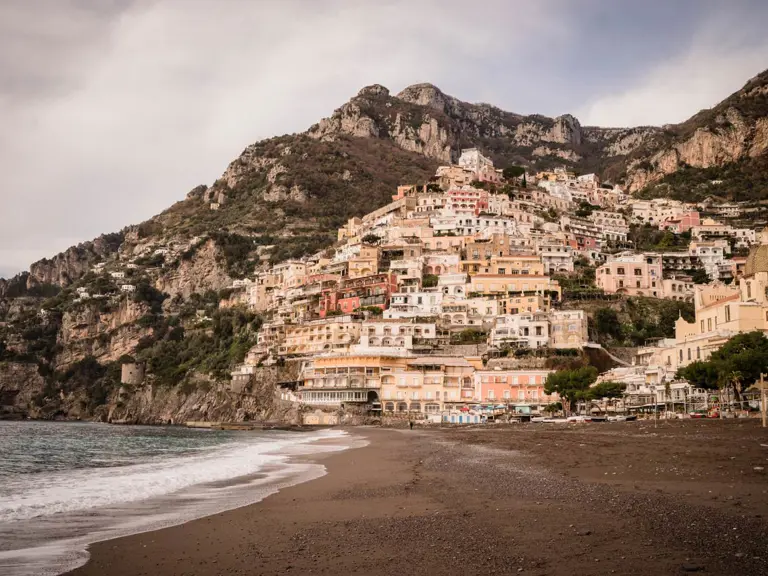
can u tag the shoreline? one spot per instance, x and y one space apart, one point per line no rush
60 543
531 500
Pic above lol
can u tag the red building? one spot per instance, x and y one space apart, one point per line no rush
354 293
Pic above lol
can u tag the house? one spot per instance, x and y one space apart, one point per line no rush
128 288
117 275
518 386
528 330
633 274
568 329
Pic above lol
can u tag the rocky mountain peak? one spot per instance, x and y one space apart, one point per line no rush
425 94
373 90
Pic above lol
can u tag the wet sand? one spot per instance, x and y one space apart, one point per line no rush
623 498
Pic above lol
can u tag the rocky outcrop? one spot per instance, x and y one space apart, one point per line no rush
200 273
88 331
731 138
19 384
70 265
207 401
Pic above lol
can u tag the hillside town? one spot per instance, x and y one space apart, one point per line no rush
449 302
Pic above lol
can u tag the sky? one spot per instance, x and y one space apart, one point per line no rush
111 110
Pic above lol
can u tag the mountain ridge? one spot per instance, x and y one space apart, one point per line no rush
425 122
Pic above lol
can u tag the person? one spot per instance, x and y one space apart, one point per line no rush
410 423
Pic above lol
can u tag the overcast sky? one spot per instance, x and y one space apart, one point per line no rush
110 110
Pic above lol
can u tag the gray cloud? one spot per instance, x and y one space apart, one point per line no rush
111 111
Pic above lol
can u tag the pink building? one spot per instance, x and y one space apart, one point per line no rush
512 387
634 274
681 223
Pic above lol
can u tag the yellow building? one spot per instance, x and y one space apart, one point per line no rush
329 334
352 378
513 264
430 384
504 284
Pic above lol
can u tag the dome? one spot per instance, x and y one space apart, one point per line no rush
757 260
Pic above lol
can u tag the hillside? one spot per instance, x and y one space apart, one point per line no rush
67 325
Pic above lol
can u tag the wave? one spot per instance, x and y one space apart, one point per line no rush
82 489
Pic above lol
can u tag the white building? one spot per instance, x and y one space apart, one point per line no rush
557 258
520 331
413 304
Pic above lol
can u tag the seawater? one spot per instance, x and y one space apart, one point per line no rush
66 485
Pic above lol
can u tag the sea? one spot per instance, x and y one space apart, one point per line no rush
66 485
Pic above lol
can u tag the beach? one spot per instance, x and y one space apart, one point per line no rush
612 498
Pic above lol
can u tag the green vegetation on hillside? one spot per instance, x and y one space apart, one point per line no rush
745 180
635 321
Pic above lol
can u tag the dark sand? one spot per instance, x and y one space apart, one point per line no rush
623 498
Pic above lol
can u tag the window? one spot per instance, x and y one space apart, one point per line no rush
689 353
702 326
727 313
638 272
681 355
749 290
506 394
620 271
538 330
638 284
698 353
709 323
502 271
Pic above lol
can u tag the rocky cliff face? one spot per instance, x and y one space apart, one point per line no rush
73 263
203 272
19 384
208 401
88 331
425 120
735 130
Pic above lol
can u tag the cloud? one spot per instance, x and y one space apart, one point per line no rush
715 64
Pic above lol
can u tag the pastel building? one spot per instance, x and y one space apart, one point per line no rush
568 329
513 387
528 330
634 274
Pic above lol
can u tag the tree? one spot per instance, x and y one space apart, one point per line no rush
525 182
571 385
607 324
371 239
739 361
512 172
429 281
607 389
699 374
700 276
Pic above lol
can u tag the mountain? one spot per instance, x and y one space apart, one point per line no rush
285 197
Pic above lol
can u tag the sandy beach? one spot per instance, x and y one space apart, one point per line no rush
624 498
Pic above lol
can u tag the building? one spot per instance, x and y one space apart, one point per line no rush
355 293
633 274
528 330
556 258
513 387
721 311
332 334
568 329
396 333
